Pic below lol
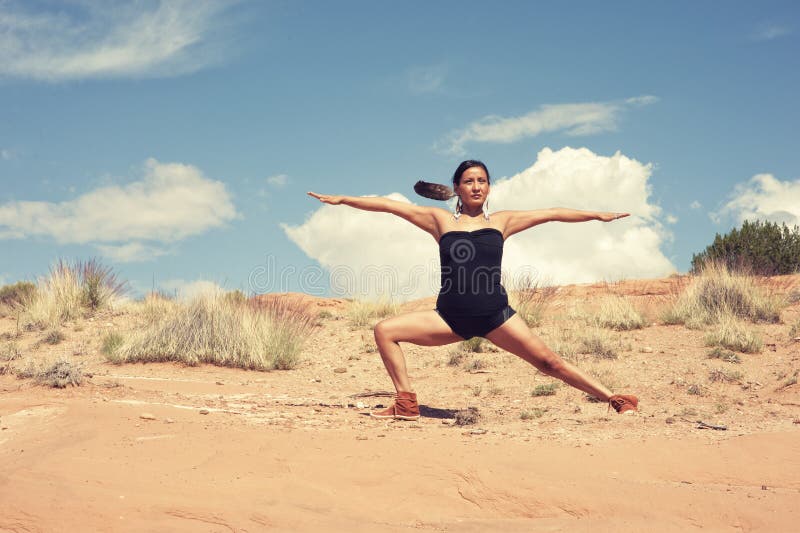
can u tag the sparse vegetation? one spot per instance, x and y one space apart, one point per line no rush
264 335
364 313
10 352
546 389
794 331
325 315
473 345
536 412
724 376
531 299
59 374
716 294
731 334
597 342
456 358
724 355
696 389
54 336
475 364
617 312
467 417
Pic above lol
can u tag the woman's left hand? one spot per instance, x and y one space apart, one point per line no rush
608 217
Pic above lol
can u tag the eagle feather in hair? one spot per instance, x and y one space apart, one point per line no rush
435 191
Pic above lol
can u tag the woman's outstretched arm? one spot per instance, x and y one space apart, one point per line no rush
421 216
516 221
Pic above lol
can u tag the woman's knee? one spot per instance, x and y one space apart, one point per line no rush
552 364
382 331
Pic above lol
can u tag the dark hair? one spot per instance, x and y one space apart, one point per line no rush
469 163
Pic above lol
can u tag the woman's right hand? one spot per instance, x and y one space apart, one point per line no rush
327 198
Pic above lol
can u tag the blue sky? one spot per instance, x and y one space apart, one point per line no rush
176 140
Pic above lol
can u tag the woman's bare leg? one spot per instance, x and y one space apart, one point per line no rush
514 336
425 328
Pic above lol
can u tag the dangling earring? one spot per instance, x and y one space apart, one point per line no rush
486 209
457 212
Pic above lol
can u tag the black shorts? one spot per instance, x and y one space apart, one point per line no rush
476 326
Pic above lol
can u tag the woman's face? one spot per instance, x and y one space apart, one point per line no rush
474 187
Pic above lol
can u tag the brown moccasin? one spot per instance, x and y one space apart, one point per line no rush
624 403
405 407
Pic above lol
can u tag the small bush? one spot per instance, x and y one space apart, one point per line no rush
617 312
325 315
716 293
467 417
794 331
536 412
473 345
53 337
59 374
724 355
111 343
731 334
548 389
456 358
10 352
475 364
724 376
696 389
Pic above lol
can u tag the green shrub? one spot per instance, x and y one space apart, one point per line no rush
548 389
762 248
16 295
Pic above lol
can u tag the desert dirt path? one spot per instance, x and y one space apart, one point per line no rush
85 460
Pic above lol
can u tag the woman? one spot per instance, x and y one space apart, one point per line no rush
472 302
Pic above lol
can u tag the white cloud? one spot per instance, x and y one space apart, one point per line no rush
130 252
188 290
671 219
278 180
79 39
768 32
427 79
573 119
695 205
764 197
360 247
171 202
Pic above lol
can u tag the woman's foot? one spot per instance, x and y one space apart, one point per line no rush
405 407
624 403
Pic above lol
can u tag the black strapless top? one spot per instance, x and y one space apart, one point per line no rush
470 263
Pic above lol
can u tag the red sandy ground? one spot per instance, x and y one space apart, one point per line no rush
292 451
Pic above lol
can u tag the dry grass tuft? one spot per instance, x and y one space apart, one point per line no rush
530 299
257 335
58 375
724 376
617 312
70 291
731 334
365 313
717 293
596 341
